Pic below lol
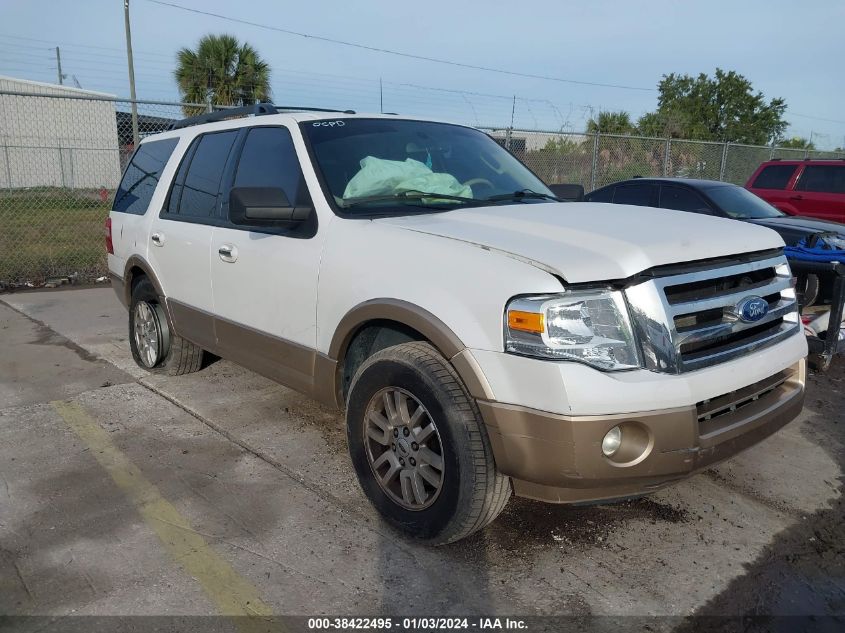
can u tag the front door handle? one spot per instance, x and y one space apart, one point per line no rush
158 239
798 197
228 253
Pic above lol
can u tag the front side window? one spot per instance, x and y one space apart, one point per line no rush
268 159
382 165
682 199
773 177
199 193
822 179
142 174
741 204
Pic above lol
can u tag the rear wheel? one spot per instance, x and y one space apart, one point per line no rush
154 347
419 445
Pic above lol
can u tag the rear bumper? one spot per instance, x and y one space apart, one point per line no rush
558 458
119 287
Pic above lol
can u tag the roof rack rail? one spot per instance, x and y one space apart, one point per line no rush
256 109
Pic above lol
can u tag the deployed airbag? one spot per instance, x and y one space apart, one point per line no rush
385 177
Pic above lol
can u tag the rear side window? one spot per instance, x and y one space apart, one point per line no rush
605 194
773 177
268 159
142 174
682 199
640 195
202 170
822 178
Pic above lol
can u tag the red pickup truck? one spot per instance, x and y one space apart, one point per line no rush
814 188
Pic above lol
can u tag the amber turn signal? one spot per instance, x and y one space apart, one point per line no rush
526 321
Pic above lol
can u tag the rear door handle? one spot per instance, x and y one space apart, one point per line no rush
228 253
158 239
798 197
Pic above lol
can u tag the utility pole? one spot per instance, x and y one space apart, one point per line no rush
380 97
131 74
59 65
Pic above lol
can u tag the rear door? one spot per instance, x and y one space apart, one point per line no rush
180 238
820 192
772 184
265 279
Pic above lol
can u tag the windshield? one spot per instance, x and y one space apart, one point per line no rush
382 164
741 204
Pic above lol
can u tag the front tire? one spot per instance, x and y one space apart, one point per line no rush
154 346
419 445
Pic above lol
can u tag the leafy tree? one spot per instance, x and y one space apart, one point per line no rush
222 71
722 108
611 123
797 142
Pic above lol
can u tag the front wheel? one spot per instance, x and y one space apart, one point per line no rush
419 446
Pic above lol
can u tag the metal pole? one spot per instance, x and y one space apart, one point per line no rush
724 164
59 65
380 97
595 165
510 129
131 73
667 150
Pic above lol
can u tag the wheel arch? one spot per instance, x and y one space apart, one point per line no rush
378 323
135 268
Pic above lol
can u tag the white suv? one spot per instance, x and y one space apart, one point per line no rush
484 338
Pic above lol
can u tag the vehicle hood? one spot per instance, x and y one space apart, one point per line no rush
795 228
591 241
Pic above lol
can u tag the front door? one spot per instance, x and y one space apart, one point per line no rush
265 280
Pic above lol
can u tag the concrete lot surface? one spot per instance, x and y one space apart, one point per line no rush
223 493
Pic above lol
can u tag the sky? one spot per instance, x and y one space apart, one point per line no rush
792 50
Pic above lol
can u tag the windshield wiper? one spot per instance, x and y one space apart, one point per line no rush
522 194
415 196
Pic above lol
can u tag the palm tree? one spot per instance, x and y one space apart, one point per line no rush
222 71
611 123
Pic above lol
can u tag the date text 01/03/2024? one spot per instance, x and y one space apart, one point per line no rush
414 624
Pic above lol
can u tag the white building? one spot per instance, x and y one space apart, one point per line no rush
50 141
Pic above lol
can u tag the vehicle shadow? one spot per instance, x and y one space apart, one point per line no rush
802 571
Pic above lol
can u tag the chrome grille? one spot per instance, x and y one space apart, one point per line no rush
690 320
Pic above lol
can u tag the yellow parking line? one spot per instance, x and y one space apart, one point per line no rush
232 594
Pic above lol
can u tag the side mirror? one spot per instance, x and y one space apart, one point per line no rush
570 193
264 206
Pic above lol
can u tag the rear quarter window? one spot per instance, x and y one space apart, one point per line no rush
773 177
605 194
141 177
822 179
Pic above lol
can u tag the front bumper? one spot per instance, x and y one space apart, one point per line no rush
558 458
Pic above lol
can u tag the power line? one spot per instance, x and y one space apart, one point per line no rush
388 51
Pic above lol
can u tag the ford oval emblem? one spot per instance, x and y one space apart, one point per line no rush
752 309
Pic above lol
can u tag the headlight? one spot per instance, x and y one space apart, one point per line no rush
589 326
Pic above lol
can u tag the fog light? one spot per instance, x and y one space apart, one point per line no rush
610 443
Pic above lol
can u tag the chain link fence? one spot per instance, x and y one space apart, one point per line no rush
595 160
61 157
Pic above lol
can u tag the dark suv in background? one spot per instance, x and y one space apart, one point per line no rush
814 188
725 200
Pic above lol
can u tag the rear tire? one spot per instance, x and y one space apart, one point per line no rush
154 346
419 445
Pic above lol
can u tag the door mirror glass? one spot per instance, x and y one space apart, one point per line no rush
263 206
